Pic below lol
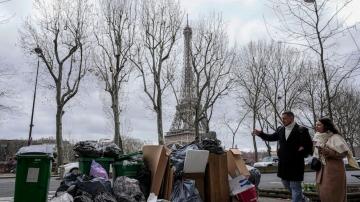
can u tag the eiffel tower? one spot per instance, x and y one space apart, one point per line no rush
182 129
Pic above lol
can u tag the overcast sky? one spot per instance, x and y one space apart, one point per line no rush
84 116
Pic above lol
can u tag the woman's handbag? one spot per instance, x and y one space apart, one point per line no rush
315 164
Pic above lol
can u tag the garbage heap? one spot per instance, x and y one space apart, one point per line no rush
199 171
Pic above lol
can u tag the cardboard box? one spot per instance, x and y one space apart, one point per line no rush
156 157
216 179
169 182
236 165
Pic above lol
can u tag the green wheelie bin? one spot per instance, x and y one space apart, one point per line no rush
33 172
128 165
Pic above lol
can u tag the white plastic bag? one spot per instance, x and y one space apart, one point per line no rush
65 197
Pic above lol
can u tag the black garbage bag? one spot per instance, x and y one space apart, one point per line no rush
144 178
83 197
212 145
94 186
87 149
69 180
177 157
127 190
104 197
110 149
185 191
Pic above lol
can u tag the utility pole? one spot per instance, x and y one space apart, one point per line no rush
38 51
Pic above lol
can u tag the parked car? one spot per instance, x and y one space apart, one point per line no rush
70 167
267 161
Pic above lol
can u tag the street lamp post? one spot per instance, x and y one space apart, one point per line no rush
38 51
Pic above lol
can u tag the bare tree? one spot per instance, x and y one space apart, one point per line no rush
59 37
115 36
314 26
234 129
212 60
347 114
160 24
250 78
283 87
312 101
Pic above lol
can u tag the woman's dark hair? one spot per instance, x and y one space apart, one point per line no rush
329 125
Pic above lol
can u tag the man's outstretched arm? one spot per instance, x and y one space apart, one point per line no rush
267 137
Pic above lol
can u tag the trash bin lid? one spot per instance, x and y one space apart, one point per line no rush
37 149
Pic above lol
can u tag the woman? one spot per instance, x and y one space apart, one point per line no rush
331 148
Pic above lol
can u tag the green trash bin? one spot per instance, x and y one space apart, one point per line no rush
85 163
33 172
128 165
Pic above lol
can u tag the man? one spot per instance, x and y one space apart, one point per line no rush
294 145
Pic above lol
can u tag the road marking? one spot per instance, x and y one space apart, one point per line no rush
275 182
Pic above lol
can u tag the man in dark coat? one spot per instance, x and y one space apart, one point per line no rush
294 145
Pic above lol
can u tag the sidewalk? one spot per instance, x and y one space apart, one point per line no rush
267 199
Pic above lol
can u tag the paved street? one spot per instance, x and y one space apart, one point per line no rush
268 181
7 186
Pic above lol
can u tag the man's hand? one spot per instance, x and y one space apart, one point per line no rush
256 132
301 148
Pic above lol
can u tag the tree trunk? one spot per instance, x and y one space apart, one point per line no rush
159 120
116 113
59 141
322 60
254 140
196 124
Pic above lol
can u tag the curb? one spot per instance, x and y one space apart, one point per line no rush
273 193
14 176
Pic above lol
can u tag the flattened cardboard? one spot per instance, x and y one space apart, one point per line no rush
168 182
235 163
156 157
216 179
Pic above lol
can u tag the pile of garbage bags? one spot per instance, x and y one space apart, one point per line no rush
98 188
96 149
82 188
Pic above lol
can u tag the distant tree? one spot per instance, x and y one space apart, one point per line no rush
212 59
59 35
234 125
159 29
132 144
315 25
313 99
115 36
250 78
347 114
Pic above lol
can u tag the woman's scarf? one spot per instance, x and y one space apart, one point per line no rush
334 142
